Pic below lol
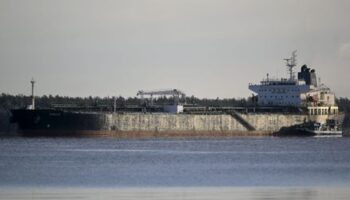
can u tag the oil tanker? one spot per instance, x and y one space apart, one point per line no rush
296 105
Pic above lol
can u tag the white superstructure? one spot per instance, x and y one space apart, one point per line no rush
302 91
283 92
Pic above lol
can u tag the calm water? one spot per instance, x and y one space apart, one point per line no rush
125 165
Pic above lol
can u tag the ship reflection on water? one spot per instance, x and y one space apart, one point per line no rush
231 168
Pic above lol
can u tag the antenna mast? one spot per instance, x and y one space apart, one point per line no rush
291 63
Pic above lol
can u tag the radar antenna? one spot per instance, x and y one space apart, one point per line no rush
291 63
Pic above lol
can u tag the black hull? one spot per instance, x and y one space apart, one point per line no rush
53 120
291 131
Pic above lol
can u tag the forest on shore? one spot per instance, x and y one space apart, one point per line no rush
8 101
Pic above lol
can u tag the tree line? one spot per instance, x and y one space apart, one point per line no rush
8 101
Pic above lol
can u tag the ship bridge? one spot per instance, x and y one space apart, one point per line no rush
286 91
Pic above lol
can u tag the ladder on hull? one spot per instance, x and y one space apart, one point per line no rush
241 120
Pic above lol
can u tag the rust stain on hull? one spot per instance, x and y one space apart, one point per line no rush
141 134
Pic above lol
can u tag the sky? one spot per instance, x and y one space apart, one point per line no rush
206 48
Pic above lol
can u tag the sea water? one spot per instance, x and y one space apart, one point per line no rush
225 168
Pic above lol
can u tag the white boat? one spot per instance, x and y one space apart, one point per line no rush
315 128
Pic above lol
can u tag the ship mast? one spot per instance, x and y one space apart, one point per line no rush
291 63
33 97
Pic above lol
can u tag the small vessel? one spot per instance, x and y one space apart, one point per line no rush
313 128
316 128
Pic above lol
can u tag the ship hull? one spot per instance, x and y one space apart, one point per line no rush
53 120
58 123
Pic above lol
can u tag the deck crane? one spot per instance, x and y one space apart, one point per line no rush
175 93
